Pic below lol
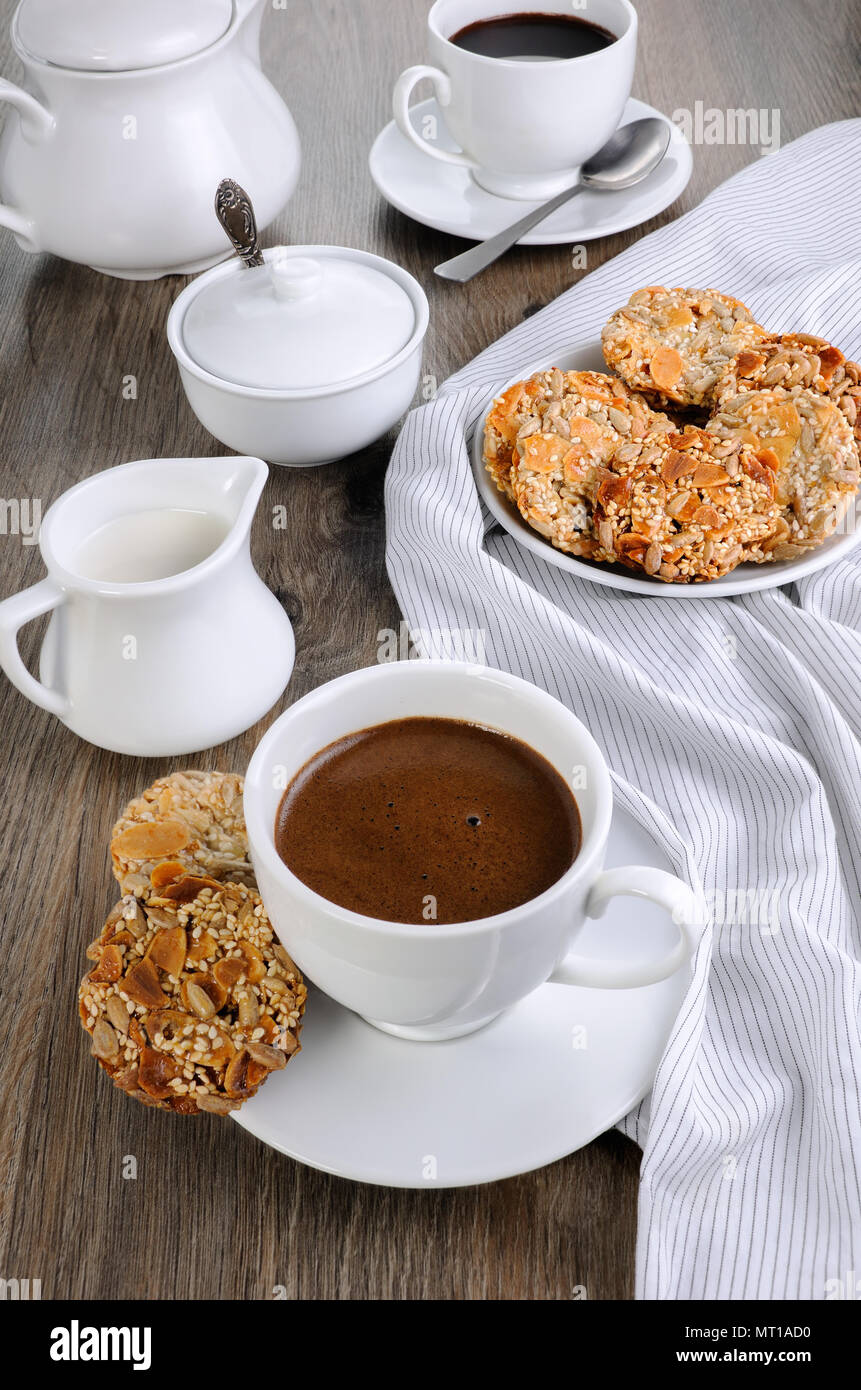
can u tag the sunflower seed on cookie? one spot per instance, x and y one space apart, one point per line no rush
845 391
796 361
192 1010
189 822
674 344
689 509
807 441
556 435
514 410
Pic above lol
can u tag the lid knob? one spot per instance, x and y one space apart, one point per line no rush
295 277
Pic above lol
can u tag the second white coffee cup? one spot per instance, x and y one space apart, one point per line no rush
523 128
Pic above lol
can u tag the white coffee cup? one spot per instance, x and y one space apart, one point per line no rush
430 982
524 128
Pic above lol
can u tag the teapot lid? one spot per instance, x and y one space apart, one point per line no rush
309 317
119 35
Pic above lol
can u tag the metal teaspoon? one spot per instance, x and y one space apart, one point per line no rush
629 156
235 212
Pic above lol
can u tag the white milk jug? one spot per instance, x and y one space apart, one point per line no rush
163 639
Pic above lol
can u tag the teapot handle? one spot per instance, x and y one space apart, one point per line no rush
14 613
36 124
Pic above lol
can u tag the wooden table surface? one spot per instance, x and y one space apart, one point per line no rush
212 1212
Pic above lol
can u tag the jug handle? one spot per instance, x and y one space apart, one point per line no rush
14 613
36 124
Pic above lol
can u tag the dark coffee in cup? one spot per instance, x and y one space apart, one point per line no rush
428 820
533 37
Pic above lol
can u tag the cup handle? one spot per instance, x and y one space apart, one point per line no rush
401 108
14 613
656 886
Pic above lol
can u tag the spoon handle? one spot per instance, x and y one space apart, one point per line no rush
478 258
235 212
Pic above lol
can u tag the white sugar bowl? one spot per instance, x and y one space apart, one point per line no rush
302 360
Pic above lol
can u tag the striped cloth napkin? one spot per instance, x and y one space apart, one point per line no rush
731 728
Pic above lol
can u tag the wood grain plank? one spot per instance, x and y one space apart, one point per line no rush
212 1213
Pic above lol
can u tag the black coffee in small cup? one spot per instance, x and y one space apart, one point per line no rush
531 38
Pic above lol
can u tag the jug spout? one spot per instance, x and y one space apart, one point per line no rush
249 18
238 483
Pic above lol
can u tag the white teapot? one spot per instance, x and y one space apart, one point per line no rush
130 115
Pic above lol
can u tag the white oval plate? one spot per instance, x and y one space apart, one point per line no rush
447 198
747 579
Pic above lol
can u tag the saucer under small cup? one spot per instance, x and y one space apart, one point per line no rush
539 1082
447 198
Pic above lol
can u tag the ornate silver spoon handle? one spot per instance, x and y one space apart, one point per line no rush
235 212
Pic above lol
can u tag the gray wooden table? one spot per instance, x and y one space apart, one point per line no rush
212 1213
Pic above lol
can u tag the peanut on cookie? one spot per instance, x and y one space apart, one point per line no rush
674 344
191 1002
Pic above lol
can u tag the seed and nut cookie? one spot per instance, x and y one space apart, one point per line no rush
674 344
549 441
189 822
689 509
506 417
192 1002
807 441
796 361
845 390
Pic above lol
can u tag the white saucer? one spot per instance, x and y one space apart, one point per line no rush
447 198
523 1092
747 579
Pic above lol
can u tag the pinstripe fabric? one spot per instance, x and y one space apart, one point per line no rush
731 726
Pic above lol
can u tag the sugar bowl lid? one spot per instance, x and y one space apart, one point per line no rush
308 318
119 35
